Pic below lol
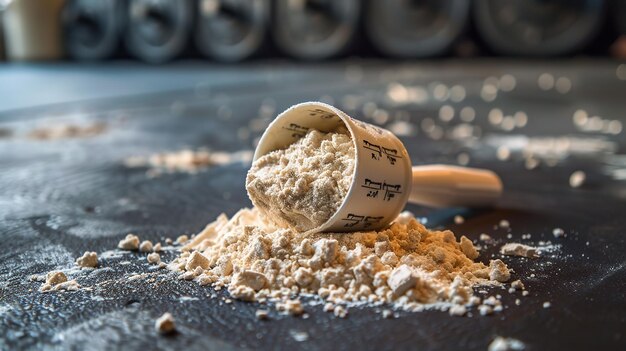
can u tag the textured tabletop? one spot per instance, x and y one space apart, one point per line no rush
59 198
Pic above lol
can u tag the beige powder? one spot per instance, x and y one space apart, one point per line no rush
88 260
405 265
302 186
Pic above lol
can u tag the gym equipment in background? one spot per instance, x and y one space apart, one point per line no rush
92 28
157 31
315 29
538 27
231 30
413 28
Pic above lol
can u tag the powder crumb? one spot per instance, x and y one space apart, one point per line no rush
182 239
558 233
169 241
457 310
518 302
195 260
484 237
498 271
340 312
506 344
547 304
291 307
262 315
157 247
302 186
154 258
517 285
503 153
468 248
517 249
130 242
88 260
57 281
504 224
401 280
299 336
485 310
387 314
459 219
165 324
577 179
56 277
329 307
254 280
525 293
145 246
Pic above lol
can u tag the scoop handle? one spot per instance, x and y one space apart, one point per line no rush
453 186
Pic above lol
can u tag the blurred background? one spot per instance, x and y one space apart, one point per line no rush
158 31
531 89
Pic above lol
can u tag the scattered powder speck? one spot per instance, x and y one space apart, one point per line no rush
577 179
517 249
558 232
262 314
299 336
165 324
303 185
186 161
459 219
66 131
506 344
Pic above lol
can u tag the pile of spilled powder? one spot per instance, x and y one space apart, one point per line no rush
186 161
302 186
405 265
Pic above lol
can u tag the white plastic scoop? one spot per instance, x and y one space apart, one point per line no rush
384 179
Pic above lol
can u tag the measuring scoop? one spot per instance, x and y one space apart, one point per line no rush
384 179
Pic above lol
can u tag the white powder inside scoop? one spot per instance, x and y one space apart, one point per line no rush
405 265
303 185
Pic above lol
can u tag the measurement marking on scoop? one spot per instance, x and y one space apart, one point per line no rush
378 151
364 221
374 187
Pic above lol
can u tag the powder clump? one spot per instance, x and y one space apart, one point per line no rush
302 186
517 249
88 260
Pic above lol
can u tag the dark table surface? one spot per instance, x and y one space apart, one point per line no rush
60 198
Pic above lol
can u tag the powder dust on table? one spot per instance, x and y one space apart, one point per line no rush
405 265
302 186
